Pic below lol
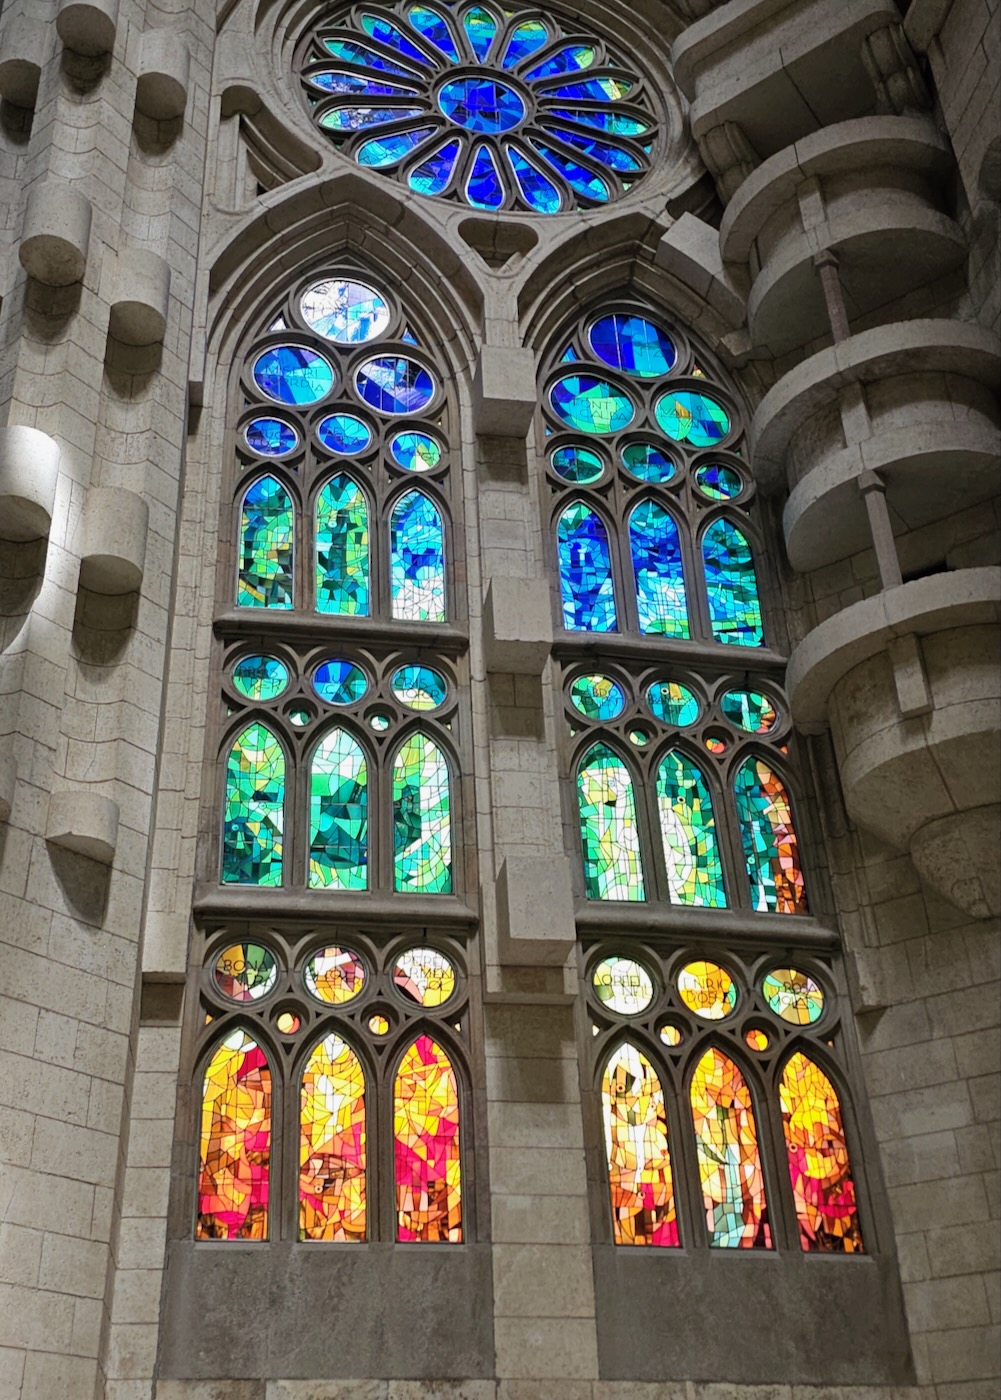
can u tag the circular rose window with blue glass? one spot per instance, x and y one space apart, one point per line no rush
494 107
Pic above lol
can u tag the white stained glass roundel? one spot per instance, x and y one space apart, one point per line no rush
349 313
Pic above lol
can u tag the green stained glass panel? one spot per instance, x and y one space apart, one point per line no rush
254 810
613 867
266 533
260 677
422 818
731 586
342 549
417 560
688 831
338 814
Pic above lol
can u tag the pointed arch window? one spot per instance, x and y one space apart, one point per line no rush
726 1139
688 832
586 571
266 545
427 1156
417 564
333 1144
771 849
819 1167
731 585
235 1161
613 866
655 546
639 1160
343 585
338 810
254 819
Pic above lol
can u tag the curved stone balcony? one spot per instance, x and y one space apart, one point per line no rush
914 401
869 192
910 683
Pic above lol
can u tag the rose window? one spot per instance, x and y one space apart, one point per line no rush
492 108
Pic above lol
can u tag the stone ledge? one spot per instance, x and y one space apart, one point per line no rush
112 541
535 913
690 251
518 625
504 391
162 85
88 26
83 822
29 468
55 236
25 45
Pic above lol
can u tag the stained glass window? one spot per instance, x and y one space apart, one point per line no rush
771 850
660 574
235 1142
265 579
688 831
422 818
612 863
333 1145
254 809
726 1140
428 1162
478 112
338 846
586 571
639 1162
342 549
822 1185
731 585
417 559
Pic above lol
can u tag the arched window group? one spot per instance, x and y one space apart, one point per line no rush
722 1124
345 1052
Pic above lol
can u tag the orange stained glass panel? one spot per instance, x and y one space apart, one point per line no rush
332 1145
428 1168
821 1174
639 1162
235 1143
726 1140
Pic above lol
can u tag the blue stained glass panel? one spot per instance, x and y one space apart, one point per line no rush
526 39
569 356
270 437
344 433
584 181
481 104
416 452
342 549
386 33
585 571
593 90
633 344
537 190
389 149
350 51
693 418
359 85
718 482
358 118
339 682
577 464
338 814
417 560
484 188
346 312
480 27
395 384
613 156
732 586
292 374
615 123
433 27
591 405
434 174
574 58
419 688
647 462
659 570
265 578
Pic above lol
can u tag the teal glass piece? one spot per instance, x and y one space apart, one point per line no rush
395 384
419 688
434 175
607 152
422 818
688 833
254 814
481 104
659 570
359 85
593 90
347 119
417 560
345 434
382 29
632 344
292 374
338 814
342 549
731 586
537 190
572 58
384 151
613 864
348 313
526 38
694 418
591 405
581 180
270 437
432 26
718 482
647 462
749 710
577 464
416 451
350 51
340 682
585 571
673 704
481 28
265 579
771 850
260 678
484 188
598 697
614 123
409 338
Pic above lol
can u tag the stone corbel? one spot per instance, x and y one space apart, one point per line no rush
890 62
535 910
518 625
729 156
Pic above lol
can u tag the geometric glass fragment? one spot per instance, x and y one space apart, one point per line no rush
435 173
660 575
265 577
749 710
387 150
639 1163
647 462
480 27
731 586
271 437
718 482
537 190
726 1141
416 452
481 104
332 1144
424 976
585 571
485 188
422 819
335 975
609 833
344 433
342 549
821 1174
427 1156
769 840
688 831
245 972
433 27
235 1142
623 986
338 814
708 990
794 996
339 682
577 464
417 560
254 809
